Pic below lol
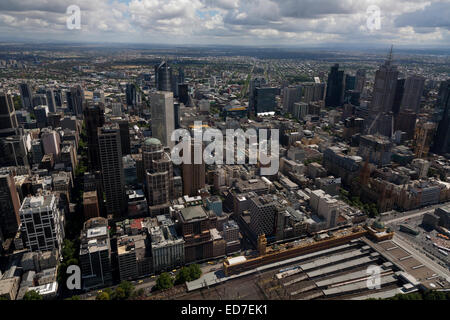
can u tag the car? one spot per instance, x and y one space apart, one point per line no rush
174 270
141 281
153 277
210 262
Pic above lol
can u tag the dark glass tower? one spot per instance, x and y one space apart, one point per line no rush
335 87
442 140
163 77
26 95
94 117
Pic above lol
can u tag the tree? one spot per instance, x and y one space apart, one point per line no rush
32 295
103 296
164 281
119 294
195 271
184 275
127 287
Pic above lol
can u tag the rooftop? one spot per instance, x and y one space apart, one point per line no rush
193 213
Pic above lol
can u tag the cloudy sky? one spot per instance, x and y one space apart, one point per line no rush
236 22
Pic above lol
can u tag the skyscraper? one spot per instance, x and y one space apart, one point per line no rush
360 80
398 97
94 117
442 140
110 151
8 118
163 77
39 100
265 100
26 96
159 173
163 123
51 103
9 206
254 83
413 93
75 99
42 223
335 87
194 174
124 134
131 94
384 87
291 95
183 93
95 253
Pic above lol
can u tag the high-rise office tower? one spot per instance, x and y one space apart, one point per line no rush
405 121
124 134
9 206
14 151
75 99
95 254
26 96
194 174
158 169
349 91
440 102
398 97
181 78
163 123
110 151
254 83
42 223
58 98
8 118
360 80
291 95
41 113
183 93
51 103
384 87
423 138
131 94
174 85
350 82
313 92
163 77
94 117
413 93
265 100
51 142
39 100
442 140
335 87
176 115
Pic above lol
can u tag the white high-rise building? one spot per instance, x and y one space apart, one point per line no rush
163 123
42 223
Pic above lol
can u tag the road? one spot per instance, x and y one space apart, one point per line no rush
401 216
149 282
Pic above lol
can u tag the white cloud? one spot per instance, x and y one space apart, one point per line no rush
229 21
